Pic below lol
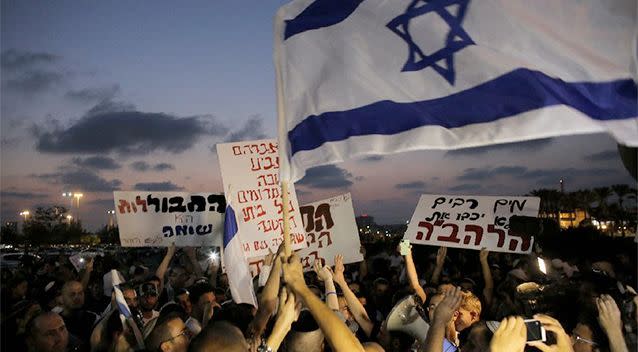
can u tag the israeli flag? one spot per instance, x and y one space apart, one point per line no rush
363 77
237 270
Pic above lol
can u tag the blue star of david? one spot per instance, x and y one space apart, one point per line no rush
457 37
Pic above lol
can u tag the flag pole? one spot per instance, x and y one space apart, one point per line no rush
284 167
286 215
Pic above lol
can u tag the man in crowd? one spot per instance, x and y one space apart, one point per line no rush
78 321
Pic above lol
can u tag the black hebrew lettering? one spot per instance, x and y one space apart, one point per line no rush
220 203
197 203
177 205
440 200
181 230
153 201
164 205
437 215
307 217
168 231
323 211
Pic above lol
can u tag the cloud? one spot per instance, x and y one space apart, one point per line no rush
90 95
163 167
411 185
143 166
34 81
552 176
103 203
606 155
126 132
22 195
97 162
83 180
157 186
474 174
466 187
14 59
252 130
140 166
327 176
534 145
373 158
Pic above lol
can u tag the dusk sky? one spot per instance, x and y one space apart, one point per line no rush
104 96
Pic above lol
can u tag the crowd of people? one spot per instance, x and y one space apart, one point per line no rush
399 298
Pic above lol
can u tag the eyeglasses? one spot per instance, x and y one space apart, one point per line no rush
186 333
578 339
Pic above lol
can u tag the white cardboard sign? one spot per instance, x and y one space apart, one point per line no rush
158 219
471 222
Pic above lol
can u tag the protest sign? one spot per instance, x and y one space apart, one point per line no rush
330 229
250 173
471 222
158 219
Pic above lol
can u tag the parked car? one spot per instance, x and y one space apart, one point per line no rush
13 260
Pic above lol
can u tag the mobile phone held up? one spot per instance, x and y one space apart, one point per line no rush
405 247
535 331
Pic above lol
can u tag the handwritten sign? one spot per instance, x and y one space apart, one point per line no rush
471 222
157 219
330 229
250 173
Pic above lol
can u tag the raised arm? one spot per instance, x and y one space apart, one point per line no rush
442 315
413 277
356 308
440 260
86 275
161 269
336 332
192 258
267 298
324 273
363 265
487 276
286 315
611 322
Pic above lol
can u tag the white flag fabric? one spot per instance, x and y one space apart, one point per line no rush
364 77
239 277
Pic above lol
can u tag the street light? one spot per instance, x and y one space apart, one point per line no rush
69 195
69 218
111 214
78 196
24 213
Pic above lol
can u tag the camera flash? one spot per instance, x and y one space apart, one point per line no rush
541 266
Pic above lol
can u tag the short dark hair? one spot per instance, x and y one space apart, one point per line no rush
198 290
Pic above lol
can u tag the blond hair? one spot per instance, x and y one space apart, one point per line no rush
471 303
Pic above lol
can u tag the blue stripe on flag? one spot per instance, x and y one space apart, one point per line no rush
519 91
230 225
319 14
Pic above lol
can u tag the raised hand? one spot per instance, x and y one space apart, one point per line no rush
450 304
269 257
324 273
293 272
608 314
440 256
483 254
563 342
511 335
339 269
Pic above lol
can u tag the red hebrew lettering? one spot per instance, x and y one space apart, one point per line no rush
501 234
254 148
297 238
478 234
124 207
248 212
272 148
255 164
142 202
241 197
321 236
526 241
236 150
255 266
260 211
310 238
429 227
452 237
